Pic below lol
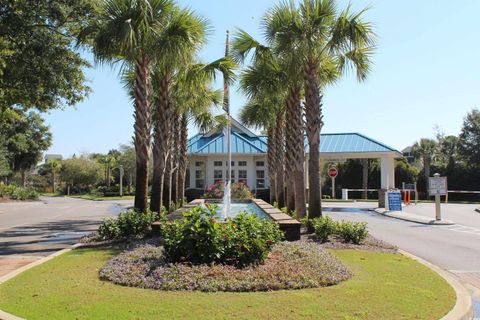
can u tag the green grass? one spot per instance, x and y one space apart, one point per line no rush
97 198
385 286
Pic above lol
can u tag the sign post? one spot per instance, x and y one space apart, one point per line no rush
332 173
437 187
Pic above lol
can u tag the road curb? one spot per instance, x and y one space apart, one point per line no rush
410 218
463 309
7 316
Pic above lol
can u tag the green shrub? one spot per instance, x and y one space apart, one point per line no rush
292 213
324 227
128 224
199 239
354 232
18 193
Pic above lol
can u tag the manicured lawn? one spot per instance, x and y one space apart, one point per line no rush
96 198
385 286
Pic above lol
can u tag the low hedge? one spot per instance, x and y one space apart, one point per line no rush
353 232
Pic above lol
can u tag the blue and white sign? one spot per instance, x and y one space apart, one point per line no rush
394 201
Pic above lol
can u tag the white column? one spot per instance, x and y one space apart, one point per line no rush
387 169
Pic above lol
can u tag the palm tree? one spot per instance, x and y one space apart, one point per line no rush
425 151
193 98
53 166
265 85
181 36
322 42
127 32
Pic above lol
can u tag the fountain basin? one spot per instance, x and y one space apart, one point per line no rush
258 207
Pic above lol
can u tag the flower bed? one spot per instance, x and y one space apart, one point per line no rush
289 266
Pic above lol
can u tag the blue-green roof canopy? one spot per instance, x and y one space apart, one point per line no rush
247 144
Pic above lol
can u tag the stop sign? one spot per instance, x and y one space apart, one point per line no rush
332 172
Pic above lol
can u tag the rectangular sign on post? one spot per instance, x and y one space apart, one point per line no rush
394 201
437 186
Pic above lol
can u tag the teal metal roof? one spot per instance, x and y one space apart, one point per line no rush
241 143
350 143
216 144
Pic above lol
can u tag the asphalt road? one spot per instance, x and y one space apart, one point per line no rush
39 228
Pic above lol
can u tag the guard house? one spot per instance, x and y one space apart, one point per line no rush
207 155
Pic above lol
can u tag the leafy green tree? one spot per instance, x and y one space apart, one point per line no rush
425 151
127 31
53 167
81 173
126 159
25 137
470 138
39 67
448 151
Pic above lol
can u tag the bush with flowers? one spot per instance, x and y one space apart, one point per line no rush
239 190
198 238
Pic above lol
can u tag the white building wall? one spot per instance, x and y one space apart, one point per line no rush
209 167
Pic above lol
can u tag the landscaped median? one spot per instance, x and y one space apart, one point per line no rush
383 286
237 268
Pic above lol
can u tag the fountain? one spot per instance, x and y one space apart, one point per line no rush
226 106
226 201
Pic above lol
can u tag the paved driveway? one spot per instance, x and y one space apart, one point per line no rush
30 230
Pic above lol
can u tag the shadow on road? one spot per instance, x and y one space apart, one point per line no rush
44 237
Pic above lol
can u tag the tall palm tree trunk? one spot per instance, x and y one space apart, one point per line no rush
161 145
167 184
142 128
182 159
271 152
297 154
426 169
313 114
175 156
280 157
289 164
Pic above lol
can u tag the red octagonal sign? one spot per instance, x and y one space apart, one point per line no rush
332 172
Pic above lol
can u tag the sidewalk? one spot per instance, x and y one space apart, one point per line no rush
9 263
403 215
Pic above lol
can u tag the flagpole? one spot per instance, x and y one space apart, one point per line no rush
226 105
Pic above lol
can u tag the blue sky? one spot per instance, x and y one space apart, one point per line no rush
425 74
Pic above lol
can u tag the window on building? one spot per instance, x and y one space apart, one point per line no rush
217 176
260 179
198 163
242 176
217 163
187 179
232 178
199 179
226 163
242 163
260 163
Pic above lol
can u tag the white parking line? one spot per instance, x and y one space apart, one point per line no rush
462 228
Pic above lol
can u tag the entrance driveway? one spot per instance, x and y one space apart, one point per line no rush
31 230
